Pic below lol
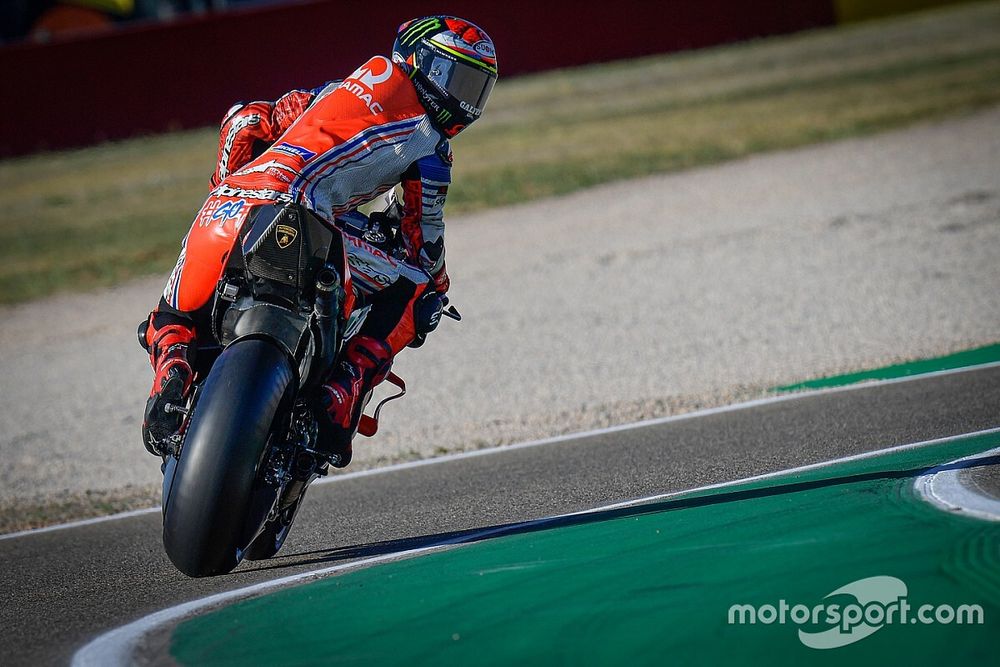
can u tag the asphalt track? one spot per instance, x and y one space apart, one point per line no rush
63 587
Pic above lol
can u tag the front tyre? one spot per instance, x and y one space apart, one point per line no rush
210 498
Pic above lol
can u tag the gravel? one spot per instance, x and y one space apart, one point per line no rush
631 300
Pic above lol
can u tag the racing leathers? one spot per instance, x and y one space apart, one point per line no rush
331 149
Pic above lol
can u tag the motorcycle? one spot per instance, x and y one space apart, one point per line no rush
236 473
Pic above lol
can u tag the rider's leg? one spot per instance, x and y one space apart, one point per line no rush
366 361
170 341
171 329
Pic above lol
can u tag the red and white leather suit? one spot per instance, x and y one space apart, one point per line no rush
331 149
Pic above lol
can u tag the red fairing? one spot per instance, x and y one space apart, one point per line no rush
255 126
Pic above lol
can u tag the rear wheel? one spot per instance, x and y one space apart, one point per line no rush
272 536
214 503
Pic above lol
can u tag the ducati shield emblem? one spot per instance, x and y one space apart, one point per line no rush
285 235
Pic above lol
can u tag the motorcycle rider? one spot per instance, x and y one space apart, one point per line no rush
333 149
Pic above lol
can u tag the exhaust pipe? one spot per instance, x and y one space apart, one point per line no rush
325 311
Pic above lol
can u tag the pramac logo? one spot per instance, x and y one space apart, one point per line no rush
364 79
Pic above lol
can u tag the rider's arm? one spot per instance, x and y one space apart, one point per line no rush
425 187
249 129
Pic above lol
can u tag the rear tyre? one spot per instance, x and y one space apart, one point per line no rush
213 503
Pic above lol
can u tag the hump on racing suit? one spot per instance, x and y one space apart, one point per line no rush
341 145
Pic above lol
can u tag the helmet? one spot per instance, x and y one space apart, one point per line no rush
453 66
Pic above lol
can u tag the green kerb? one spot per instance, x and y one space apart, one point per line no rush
649 585
974 357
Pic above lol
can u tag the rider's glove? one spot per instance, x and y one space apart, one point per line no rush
427 311
426 315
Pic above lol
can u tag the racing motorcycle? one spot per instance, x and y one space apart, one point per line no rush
237 471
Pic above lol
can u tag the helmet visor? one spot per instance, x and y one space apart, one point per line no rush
469 85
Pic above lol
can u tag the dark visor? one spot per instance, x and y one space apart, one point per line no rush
466 83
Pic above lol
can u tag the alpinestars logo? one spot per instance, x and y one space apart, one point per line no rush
226 190
227 146
362 82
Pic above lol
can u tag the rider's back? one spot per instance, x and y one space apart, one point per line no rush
351 144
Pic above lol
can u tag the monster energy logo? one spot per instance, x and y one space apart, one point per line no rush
444 116
418 30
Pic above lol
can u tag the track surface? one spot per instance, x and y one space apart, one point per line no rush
63 587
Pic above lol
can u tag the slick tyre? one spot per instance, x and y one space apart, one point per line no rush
212 505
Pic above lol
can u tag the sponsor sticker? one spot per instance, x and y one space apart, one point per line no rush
369 270
226 190
485 49
229 210
475 111
292 149
220 212
362 82
285 235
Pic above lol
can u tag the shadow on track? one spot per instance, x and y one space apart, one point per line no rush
323 556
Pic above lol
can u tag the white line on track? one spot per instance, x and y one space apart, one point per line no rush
546 441
79 523
116 647
943 488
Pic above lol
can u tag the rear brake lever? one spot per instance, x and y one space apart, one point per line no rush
453 313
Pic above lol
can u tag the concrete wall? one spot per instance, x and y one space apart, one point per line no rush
186 74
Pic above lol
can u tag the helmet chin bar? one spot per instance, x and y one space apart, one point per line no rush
452 64
449 121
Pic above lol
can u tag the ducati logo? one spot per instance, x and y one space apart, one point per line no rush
368 78
285 235
362 82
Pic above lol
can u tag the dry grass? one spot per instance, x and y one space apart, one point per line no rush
98 216
25 514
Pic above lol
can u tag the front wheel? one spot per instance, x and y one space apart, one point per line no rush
214 503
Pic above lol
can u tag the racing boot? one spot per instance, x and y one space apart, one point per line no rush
366 362
171 350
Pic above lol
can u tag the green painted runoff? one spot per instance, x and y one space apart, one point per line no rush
649 585
981 355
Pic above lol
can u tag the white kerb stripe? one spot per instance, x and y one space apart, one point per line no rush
943 488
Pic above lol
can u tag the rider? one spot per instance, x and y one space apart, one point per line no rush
333 149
